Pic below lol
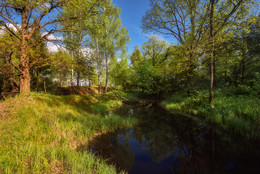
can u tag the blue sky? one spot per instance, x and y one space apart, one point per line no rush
132 12
131 16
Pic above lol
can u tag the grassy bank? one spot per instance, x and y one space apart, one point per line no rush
235 109
42 133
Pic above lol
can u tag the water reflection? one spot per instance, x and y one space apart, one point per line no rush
166 143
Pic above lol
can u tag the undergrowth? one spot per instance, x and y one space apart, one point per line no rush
237 109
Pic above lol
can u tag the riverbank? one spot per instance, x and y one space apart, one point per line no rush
43 133
234 110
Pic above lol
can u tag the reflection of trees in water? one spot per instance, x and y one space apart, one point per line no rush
193 147
165 136
115 149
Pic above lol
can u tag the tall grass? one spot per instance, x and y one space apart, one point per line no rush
42 133
239 113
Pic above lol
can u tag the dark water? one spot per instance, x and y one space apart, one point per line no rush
166 143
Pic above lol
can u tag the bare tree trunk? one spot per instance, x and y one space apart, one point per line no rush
106 71
78 78
89 82
72 75
24 66
99 82
212 56
60 79
98 67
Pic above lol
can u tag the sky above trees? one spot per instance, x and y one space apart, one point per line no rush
131 15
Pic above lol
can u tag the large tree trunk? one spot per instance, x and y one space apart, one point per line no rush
106 72
24 57
24 66
212 55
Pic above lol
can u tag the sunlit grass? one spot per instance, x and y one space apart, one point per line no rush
43 133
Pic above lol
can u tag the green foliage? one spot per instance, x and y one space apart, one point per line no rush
120 73
153 74
151 79
136 57
44 134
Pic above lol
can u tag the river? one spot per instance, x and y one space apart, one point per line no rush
162 142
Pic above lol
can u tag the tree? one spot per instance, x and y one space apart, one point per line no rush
184 21
44 16
155 50
222 13
114 37
194 23
61 64
152 73
120 72
136 57
108 39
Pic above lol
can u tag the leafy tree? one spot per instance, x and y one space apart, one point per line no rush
194 23
61 64
220 19
108 38
152 73
155 50
114 38
136 57
44 16
184 21
120 72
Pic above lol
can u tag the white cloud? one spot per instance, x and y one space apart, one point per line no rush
52 47
11 26
52 37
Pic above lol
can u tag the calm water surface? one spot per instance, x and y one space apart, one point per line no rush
166 143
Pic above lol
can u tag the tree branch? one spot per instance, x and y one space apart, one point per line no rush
229 15
12 22
9 30
10 61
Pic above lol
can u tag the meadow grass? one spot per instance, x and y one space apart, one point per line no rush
239 113
43 133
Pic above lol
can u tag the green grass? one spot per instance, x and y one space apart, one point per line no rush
42 133
239 113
